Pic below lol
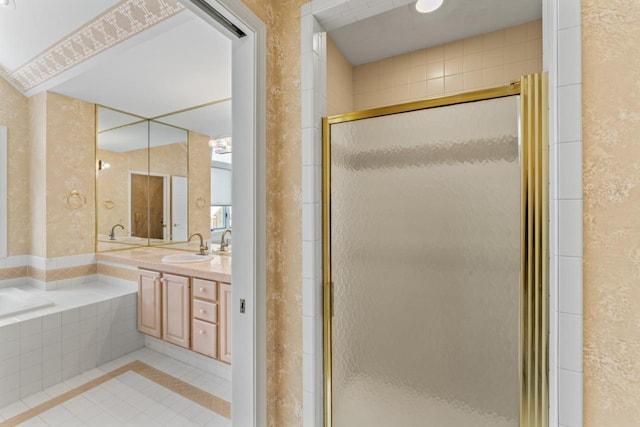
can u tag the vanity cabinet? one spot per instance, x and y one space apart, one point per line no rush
176 312
225 323
187 311
150 303
205 317
163 306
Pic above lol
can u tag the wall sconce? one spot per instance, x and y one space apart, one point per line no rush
103 165
221 145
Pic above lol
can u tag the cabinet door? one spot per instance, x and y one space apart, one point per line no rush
149 303
175 316
225 322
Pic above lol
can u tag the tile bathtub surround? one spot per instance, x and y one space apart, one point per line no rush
46 269
40 352
492 59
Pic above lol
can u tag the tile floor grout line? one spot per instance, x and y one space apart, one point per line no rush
196 395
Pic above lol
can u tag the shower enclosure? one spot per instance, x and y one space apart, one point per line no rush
435 279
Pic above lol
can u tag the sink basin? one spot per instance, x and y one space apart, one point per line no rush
185 258
223 253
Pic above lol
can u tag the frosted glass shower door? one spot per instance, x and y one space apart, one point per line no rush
425 263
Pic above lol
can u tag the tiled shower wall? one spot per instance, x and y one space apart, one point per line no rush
487 60
38 353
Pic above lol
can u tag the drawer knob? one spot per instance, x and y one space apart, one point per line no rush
201 289
202 311
201 332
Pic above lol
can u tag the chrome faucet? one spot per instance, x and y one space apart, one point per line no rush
203 246
112 235
224 245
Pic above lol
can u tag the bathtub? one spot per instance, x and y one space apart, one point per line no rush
14 301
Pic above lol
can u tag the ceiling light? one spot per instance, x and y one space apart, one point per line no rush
9 4
426 6
221 145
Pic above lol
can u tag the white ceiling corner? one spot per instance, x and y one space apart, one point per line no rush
147 57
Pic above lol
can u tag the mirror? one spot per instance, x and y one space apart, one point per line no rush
142 181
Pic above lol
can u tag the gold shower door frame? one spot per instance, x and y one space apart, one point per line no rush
534 229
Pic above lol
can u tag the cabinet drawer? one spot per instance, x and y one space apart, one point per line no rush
205 289
205 338
207 311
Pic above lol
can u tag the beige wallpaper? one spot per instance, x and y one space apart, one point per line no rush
611 161
199 184
284 216
488 60
38 173
70 166
339 81
14 114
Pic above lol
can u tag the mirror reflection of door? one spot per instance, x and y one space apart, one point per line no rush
156 207
139 211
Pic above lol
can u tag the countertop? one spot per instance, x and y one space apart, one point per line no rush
150 258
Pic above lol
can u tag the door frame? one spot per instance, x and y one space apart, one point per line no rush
249 112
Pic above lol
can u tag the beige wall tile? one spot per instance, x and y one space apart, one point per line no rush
385 66
453 84
493 57
454 49
481 58
534 49
453 66
385 96
473 80
515 35
400 93
13 273
418 73
417 90
472 62
494 76
435 87
435 70
385 81
401 76
534 31
435 54
473 45
401 63
418 58
516 52
493 40
515 70
371 69
341 84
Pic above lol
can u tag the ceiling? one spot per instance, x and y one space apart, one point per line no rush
147 57
404 30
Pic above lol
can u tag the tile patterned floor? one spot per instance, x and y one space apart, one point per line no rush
144 388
